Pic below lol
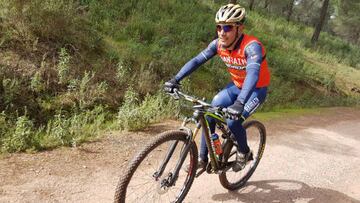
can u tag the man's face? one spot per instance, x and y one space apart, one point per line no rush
227 33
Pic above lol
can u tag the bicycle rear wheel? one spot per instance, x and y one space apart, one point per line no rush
256 136
140 183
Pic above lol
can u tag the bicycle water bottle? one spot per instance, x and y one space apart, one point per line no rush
216 143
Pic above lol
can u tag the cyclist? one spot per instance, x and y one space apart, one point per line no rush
244 56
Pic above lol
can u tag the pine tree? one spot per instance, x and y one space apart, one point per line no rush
347 20
251 5
266 4
290 10
320 24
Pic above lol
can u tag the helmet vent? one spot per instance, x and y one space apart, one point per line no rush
238 14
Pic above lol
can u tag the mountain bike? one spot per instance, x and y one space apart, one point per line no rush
164 170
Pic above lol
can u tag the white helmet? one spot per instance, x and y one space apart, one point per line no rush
231 13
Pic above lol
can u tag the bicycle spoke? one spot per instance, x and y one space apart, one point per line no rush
147 193
138 185
136 197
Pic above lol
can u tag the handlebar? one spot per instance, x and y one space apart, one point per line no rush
177 94
190 98
223 112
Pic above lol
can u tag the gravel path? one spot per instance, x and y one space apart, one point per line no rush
310 158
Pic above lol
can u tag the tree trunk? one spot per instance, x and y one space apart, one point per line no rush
290 10
232 1
251 5
320 24
266 4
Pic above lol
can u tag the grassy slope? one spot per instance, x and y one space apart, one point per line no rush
139 44
320 65
346 78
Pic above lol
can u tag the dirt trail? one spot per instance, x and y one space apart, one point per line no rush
313 158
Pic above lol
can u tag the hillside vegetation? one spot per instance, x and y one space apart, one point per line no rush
70 69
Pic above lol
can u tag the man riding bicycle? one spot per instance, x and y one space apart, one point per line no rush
245 58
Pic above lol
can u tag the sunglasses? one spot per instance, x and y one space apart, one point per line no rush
226 28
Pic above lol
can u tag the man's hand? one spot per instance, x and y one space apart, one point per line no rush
234 111
170 85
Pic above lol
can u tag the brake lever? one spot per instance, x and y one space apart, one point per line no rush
225 113
175 95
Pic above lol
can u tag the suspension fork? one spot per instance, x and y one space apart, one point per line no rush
180 162
184 152
169 154
173 177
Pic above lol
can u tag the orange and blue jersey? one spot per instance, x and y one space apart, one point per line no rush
246 64
241 59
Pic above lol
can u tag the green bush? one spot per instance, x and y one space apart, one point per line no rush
74 129
24 136
4 128
135 114
64 129
63 66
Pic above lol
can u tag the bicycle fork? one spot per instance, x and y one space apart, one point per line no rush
172 176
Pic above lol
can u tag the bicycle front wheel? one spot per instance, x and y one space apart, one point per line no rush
150 176
256 136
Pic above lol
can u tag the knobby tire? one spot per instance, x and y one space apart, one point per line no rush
121 189
224 180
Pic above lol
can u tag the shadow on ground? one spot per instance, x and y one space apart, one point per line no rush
283 191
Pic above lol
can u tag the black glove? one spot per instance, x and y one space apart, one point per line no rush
170 85
234 111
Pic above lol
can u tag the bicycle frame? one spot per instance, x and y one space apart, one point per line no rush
199 117
201 111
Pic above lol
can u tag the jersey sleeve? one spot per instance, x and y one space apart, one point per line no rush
253 53
197 61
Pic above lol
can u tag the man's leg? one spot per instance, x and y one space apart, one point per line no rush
235 126
239 132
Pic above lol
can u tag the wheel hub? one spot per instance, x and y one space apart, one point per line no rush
164 184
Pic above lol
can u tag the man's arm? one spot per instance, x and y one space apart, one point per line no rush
197 61
254 56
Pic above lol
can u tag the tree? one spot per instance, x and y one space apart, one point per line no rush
251 5
346 20
232 1
308 12
290 10
275 7
266 4
321 21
